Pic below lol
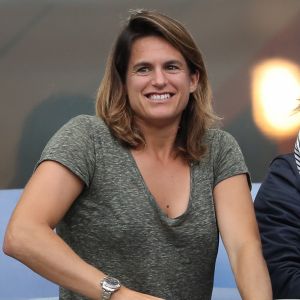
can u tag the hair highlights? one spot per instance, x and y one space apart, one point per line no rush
112 104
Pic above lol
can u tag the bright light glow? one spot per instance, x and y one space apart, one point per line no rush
275 90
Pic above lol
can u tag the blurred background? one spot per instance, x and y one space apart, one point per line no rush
53 53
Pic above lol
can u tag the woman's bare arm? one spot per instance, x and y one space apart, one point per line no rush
30 237
239 232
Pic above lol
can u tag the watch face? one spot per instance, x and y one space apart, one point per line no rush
111 284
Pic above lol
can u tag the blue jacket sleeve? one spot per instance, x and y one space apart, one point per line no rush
277 207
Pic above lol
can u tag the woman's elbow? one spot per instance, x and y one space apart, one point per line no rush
15 241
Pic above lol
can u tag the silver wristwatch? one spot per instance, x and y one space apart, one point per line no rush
109 286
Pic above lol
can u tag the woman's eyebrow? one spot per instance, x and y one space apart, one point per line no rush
141 64
173 62
148 64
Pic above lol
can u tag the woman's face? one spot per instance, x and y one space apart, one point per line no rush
158 82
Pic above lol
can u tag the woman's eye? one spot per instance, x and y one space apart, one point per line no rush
143 70
172 68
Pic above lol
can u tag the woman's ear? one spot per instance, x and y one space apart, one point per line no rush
194 80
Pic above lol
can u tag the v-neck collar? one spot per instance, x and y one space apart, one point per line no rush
151 199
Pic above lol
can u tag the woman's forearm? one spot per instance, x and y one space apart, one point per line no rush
44 252
251 273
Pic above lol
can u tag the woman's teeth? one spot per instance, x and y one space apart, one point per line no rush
159 97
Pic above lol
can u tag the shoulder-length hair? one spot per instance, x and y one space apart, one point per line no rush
113 106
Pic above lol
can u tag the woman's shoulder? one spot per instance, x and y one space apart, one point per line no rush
82 129
87 121
87 124
217 136
221 144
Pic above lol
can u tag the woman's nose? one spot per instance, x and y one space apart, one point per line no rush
159 78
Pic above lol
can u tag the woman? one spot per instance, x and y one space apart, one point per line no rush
135 194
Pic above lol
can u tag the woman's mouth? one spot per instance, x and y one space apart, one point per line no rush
159 97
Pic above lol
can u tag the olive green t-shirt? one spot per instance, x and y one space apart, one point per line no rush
116 225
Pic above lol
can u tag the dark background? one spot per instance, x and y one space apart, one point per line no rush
53 52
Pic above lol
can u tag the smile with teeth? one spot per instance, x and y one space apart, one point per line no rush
159 97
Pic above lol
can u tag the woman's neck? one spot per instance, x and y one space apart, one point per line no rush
159 140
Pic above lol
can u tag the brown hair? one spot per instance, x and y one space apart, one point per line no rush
112 104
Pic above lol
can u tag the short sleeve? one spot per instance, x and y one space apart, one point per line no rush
73 147
228 158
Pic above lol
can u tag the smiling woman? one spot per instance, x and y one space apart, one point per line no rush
147 27
158 82
138 193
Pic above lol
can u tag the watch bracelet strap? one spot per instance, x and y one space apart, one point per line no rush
105 295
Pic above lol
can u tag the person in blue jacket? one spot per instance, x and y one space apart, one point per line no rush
277 207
